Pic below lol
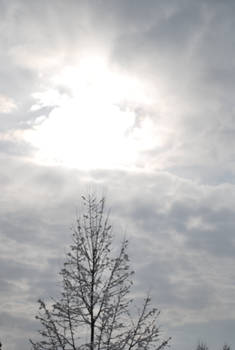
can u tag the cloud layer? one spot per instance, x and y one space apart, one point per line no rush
167 69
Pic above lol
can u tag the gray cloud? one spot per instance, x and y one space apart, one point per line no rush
173 269
180 215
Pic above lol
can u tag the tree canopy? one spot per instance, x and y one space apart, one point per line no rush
95 310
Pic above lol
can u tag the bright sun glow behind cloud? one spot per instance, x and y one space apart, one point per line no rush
93 120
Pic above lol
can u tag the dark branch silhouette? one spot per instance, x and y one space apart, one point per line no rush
95 311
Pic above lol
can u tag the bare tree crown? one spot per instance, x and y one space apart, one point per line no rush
94 311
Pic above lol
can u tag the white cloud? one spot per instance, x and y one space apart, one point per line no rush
7 105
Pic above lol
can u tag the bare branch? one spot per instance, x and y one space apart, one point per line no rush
94 309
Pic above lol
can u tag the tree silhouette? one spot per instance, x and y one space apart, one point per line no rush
95 310
202 346
226 347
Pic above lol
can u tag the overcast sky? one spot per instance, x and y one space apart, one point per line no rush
133 99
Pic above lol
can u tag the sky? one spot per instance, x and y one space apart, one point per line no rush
133 100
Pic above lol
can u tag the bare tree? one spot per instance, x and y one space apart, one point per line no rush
202 346
95 311
226 347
